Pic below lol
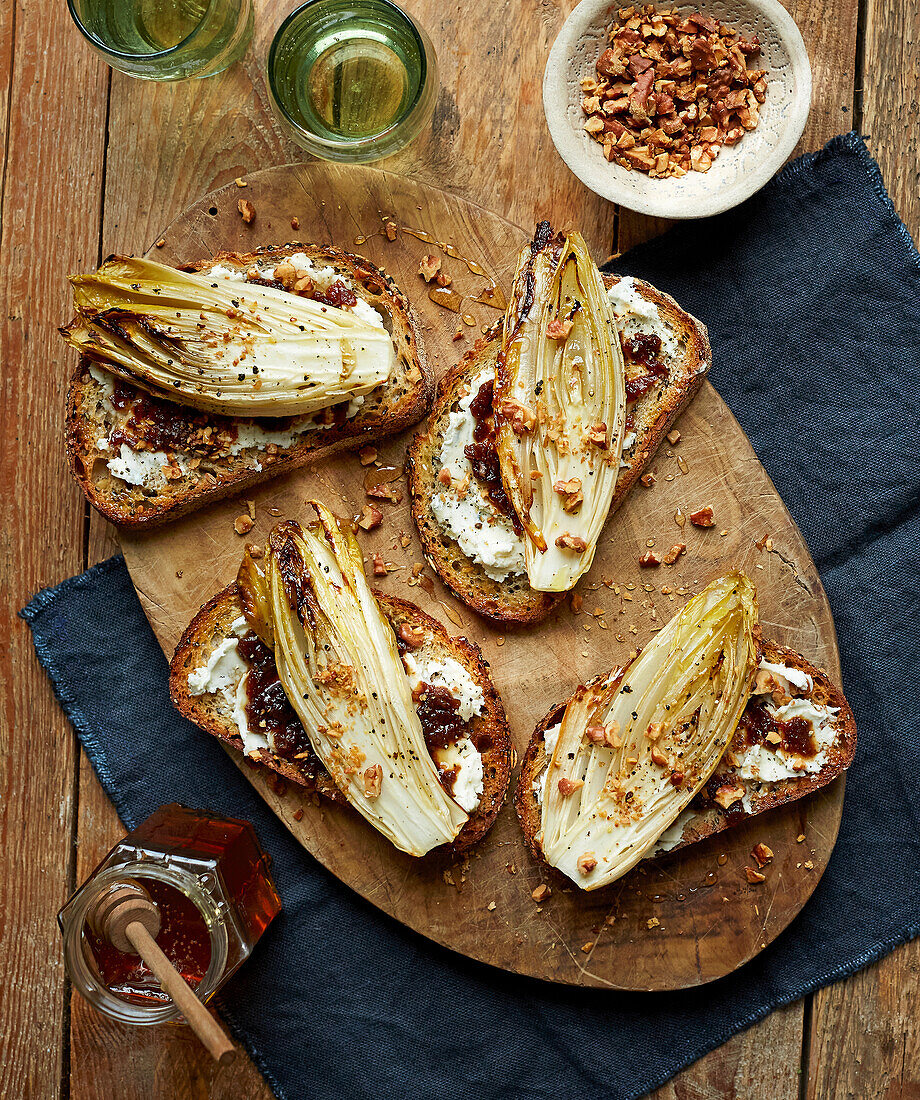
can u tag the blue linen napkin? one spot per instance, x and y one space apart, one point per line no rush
811 291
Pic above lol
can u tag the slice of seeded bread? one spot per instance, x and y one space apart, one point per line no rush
202 468
489 730
512 600
703 817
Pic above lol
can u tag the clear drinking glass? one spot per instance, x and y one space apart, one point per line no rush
352 80
166 39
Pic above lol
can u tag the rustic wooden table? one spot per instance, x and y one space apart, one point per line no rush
93 163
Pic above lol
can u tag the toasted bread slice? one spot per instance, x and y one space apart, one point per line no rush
214 711
509 598
732 782
193 458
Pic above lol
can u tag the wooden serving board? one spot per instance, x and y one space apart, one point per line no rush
710 920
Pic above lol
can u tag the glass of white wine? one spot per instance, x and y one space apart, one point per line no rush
166 39
352 80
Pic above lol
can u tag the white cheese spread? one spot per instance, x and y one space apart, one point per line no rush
635 314
550 737
141 467
224 674
468 786
767 764
426 668
104 379
795 677
448 673
466 514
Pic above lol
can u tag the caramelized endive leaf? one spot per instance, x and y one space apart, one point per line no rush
338 663
234 348
255 597
633 751
560 407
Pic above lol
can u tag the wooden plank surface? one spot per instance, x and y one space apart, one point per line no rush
50 217
166 146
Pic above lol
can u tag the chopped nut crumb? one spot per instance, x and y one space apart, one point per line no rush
586 863
674 553
367 455
161 242
428 267
390 229
542 893
588 947
674 437
702 517
247 211
575 602
754 876
800 838
240 182
380 566
295 222
297 815
569 786
571 493
649 560
443 279
728 794
559 328
671 90
242 524
808 865
370 518
762 854
648 480
652 922
490 906
572 542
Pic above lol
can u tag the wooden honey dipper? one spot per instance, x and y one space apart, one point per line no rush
129 920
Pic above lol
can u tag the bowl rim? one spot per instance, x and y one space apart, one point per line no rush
569 144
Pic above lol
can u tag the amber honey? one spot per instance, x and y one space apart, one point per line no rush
211 882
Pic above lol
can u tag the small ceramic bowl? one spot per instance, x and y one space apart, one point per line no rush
739 170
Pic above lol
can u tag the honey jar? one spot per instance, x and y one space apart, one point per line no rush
211 882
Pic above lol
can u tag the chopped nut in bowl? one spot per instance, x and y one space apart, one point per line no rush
677 110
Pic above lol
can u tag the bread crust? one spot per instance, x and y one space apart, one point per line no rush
213 623
709 818
134 507
512 600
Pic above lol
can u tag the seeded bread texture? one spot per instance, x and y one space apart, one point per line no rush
709 818
512 600
400 402
213 624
